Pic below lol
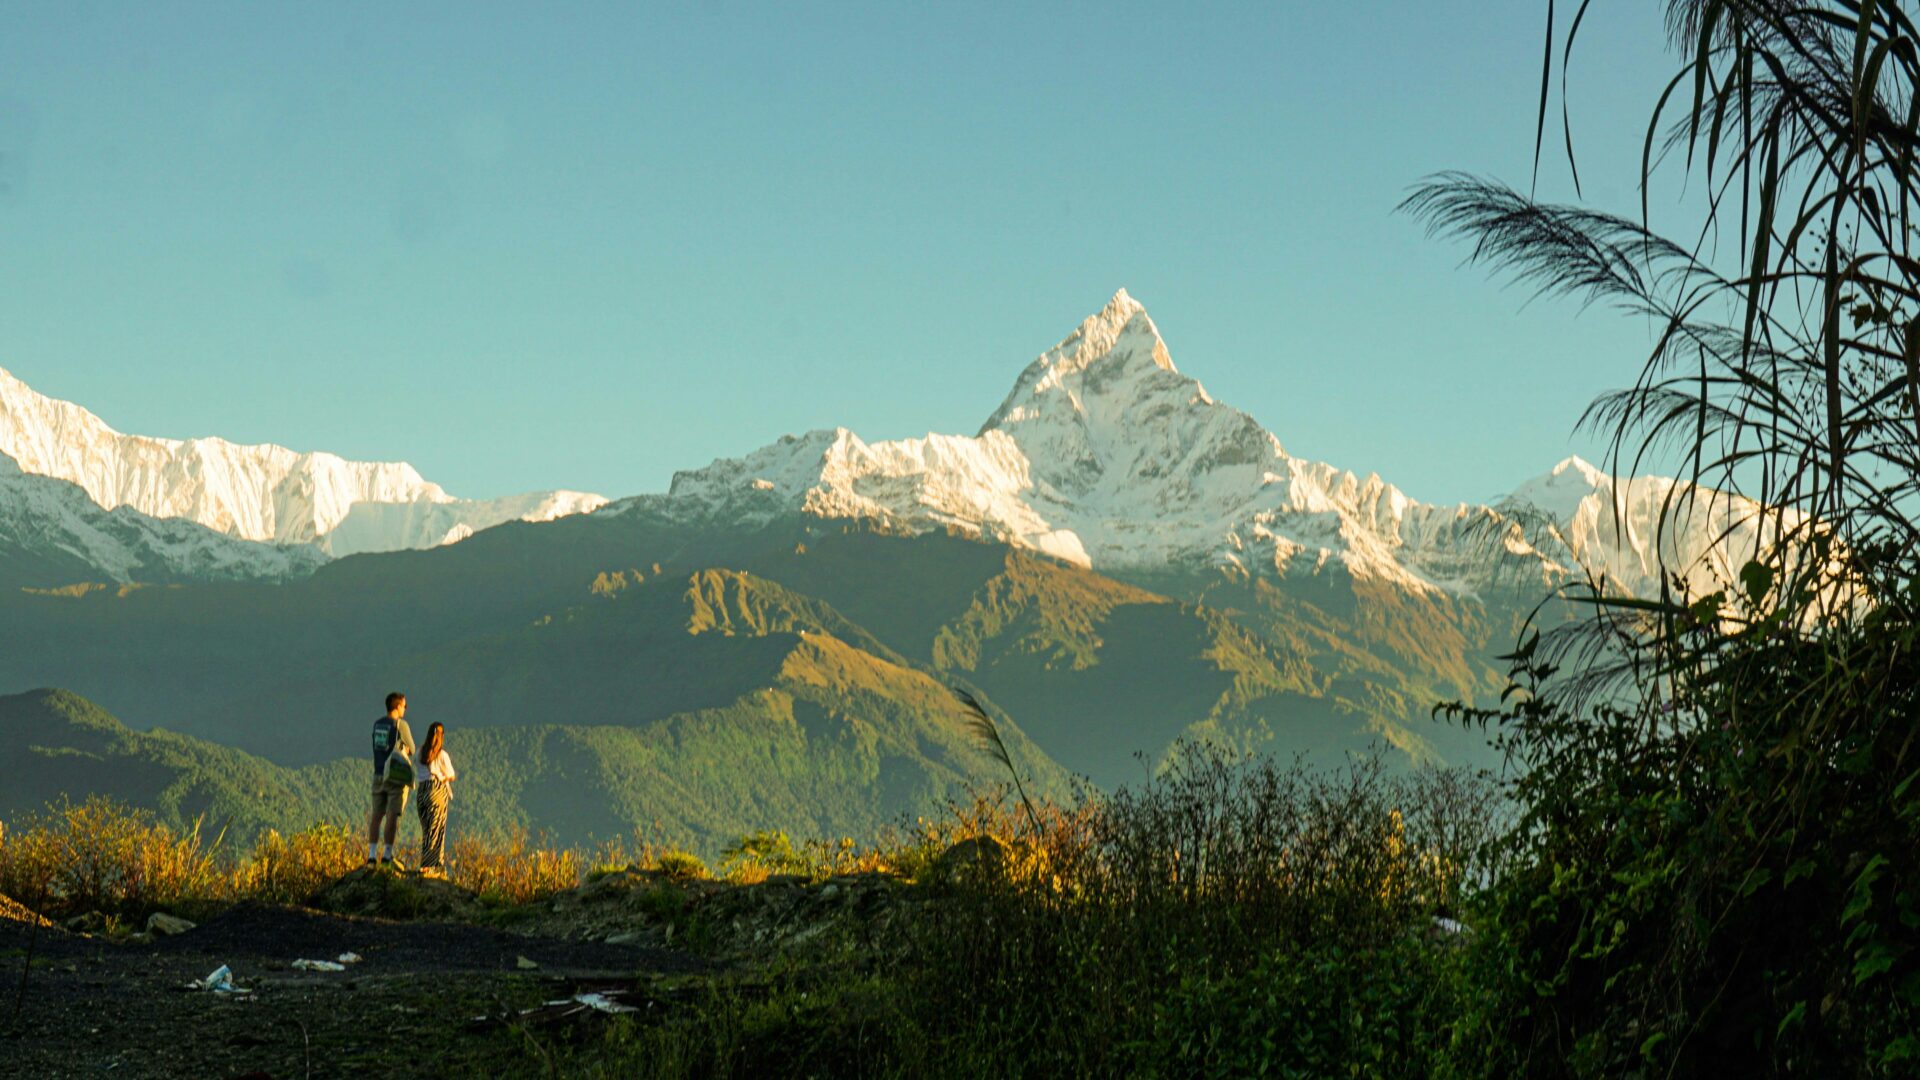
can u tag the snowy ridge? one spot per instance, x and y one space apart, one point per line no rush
1105 455
53 531
262 493
1624 531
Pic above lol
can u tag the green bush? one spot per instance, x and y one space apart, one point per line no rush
1725 880
758 854
1319 1011
680 865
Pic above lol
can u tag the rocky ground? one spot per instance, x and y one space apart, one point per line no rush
435 965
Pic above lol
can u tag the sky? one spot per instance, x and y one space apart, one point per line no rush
586 245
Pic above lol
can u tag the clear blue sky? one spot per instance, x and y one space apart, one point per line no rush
583 246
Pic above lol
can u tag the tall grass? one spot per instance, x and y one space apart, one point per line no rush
100 856
1140 932
1231 917
755 857
514 869
289 869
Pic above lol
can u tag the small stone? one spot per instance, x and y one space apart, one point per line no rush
525 964
164 925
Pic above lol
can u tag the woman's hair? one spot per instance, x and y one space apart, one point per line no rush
430 749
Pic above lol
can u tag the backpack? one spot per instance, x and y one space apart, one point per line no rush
399 768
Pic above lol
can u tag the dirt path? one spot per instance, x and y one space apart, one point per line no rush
98 1009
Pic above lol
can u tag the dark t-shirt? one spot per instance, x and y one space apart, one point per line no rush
389 734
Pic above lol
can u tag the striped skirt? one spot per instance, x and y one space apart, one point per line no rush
434 796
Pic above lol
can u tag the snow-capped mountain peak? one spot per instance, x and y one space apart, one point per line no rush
1105 454
1118 343
1634 532
53 534
263 493
1561 491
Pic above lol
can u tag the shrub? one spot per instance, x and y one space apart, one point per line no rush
103 856
1322 1010
1725 883
515 869
1073 934
288 869
680 865
755 856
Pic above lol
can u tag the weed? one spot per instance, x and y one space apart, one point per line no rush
681 865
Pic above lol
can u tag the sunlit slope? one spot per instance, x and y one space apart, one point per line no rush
596 621
1099 670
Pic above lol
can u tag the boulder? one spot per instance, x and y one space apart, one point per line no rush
161 924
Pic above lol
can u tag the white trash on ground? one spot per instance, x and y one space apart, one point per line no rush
318 965
600 1002
220 982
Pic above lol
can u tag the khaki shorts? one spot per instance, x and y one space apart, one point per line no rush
389 799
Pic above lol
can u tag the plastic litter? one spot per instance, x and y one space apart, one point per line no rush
348 958
220 982
601 1003
318 965
584 1004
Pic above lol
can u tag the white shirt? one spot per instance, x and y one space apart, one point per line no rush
440 768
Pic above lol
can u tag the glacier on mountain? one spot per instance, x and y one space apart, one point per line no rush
52 531
262 493
1106 455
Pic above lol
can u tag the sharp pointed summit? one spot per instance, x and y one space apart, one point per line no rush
1116 345
1106 455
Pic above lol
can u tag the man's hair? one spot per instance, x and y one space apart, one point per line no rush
395 698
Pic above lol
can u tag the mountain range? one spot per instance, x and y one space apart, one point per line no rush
1115 560
268 494
1106 456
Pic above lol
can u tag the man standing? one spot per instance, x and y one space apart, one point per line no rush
390 734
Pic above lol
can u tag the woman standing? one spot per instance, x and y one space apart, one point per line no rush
436 791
